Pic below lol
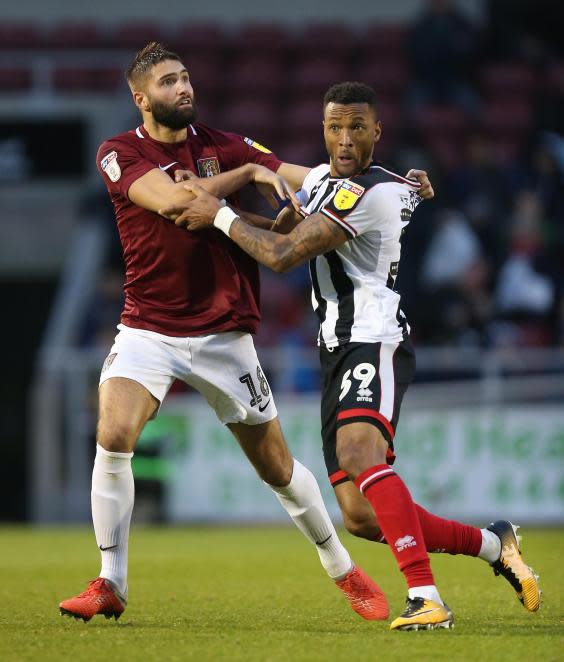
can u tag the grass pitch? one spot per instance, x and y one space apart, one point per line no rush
260 594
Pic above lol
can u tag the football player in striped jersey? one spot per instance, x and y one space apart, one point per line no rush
353 216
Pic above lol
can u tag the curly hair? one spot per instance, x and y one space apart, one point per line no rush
350 92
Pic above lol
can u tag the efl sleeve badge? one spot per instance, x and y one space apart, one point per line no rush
347 195
110 166
256 145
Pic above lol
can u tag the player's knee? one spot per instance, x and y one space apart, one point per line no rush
362 529
358 452
351 455
117 437
361 524
277 475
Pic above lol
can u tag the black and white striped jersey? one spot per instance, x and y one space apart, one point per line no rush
353 286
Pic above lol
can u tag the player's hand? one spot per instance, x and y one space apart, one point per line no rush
270 185
197 214
184 175
426 189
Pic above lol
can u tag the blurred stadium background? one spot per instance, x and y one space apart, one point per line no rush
472 91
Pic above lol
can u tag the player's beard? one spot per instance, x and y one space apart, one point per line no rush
173 117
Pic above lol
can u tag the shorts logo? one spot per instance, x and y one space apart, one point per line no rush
348 194
108 362
405 542
364 395
208 167
110 166
256 145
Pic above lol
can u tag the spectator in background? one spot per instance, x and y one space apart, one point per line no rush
441 44
479 188
455 275
526 291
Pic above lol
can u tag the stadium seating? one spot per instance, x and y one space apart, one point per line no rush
20 35
335 41
197 39
266 40
81 79
383 41
133 35
76 35
15 79
500 81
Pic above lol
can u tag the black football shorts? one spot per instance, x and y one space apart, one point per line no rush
362 382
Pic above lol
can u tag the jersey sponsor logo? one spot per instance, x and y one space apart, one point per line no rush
110 166
347 195
256 145
208 167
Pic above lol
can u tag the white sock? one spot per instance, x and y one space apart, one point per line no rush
491 546
428 592
302 500
113 493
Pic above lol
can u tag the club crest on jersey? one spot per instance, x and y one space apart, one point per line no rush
110 166
256 145
348 194
208 167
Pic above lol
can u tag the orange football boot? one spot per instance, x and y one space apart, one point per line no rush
364 596
101 597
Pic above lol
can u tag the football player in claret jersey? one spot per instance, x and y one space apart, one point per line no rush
354 217
191 303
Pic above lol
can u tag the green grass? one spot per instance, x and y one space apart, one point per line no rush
260 594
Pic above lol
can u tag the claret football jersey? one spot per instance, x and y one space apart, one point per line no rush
181 283
353 286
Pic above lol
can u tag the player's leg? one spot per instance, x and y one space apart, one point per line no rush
441 535
361 451
298 492
497 544
124 408
362 388
134 379
226 370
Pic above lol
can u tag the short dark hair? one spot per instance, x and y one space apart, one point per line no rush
350 92
146 59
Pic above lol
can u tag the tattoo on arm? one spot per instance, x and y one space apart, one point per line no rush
313 236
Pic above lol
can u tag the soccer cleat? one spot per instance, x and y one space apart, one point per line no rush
422 614
364 596
101 597
511 565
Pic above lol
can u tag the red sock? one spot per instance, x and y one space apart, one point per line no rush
397 516
445 535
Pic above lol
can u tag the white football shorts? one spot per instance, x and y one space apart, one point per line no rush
223 367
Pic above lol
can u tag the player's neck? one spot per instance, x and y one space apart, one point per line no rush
163 133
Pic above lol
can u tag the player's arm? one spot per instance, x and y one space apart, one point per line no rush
155 190
293 174
316 235
284 223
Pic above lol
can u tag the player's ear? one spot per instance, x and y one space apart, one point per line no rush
141 101
377 131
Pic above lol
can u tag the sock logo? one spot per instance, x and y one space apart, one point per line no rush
105 549
405 542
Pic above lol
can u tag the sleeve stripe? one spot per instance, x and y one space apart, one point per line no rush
400 178
346 226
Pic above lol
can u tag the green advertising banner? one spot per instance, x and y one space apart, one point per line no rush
474 464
